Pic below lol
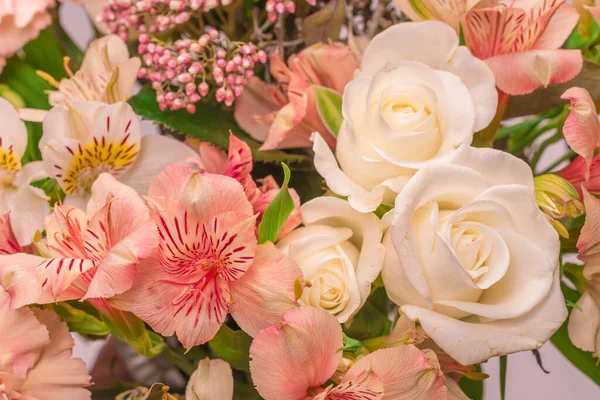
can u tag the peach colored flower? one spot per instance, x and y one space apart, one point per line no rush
20 22
212 380
36 362
238 165
208 261
577 171
520 40
285 115
294 360
8 242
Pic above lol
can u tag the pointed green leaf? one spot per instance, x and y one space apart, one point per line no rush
277 212
233 347
209 124
329 106
579 358
80 321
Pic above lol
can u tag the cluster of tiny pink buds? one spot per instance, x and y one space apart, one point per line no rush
184 72
121 16
275 8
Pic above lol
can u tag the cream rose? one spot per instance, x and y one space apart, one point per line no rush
340 253
417 99
471 257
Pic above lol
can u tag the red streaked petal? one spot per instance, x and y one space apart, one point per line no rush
55 275
493 31
201 310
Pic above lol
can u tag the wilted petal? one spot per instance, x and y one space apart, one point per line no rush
405 372
266 291
301 354
523 72
582 129
212 380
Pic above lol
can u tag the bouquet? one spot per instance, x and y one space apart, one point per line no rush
344 199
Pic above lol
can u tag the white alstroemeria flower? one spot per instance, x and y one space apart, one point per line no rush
88 138
26 204
107 74
340 253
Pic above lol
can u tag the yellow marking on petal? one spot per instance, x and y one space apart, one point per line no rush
9 166
97 157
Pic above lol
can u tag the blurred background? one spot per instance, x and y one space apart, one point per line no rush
525 379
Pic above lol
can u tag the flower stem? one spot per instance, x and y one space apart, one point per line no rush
179 360
486 136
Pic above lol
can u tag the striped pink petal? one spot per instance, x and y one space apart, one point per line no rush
18 278
57 274
582 128
300 355
523 72
590 233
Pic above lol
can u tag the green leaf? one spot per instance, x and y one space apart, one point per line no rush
44 53
233 347
52 189
277 212
350 344
472 388
80 321
503 366
324 24
544 99
579 358
570 304
244 391
329 106
371 321
209 123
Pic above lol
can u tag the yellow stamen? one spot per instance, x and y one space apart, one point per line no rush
48 78
66 61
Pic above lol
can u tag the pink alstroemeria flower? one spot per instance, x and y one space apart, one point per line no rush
35 362
208 261
577 171
238 165
8 242
20 22
519 40
293 360
284 116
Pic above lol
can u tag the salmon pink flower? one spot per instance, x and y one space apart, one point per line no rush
36 362
20 22
208 262
88 138
238 165
8 242
285 115
576 173
519 40
212 380
26 204
292 361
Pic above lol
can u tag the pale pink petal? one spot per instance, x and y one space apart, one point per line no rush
559 28
20 333
56 375
239 165
18 278
584 325
266 291
590 233
56 274
13 132
582 128
405 372
65 230
257 100
168 182
213 159
366 386
212 380
8 242
523 72
208 195
301 354
17 30
200 311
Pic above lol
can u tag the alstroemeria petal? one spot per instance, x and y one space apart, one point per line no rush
8 242
405 372
582 128
584 325
56 375
156 153
266 291
590 233
212 380
523 72
559 27
56 274
17 276
303 353
169 182
13 134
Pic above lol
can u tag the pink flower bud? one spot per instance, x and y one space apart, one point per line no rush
262 56
144 38
184 78
204 40
203 89
214 34
191 108
220 94
195 97
143 73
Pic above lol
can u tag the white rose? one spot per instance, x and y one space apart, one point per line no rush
340 253
471 257
419 97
